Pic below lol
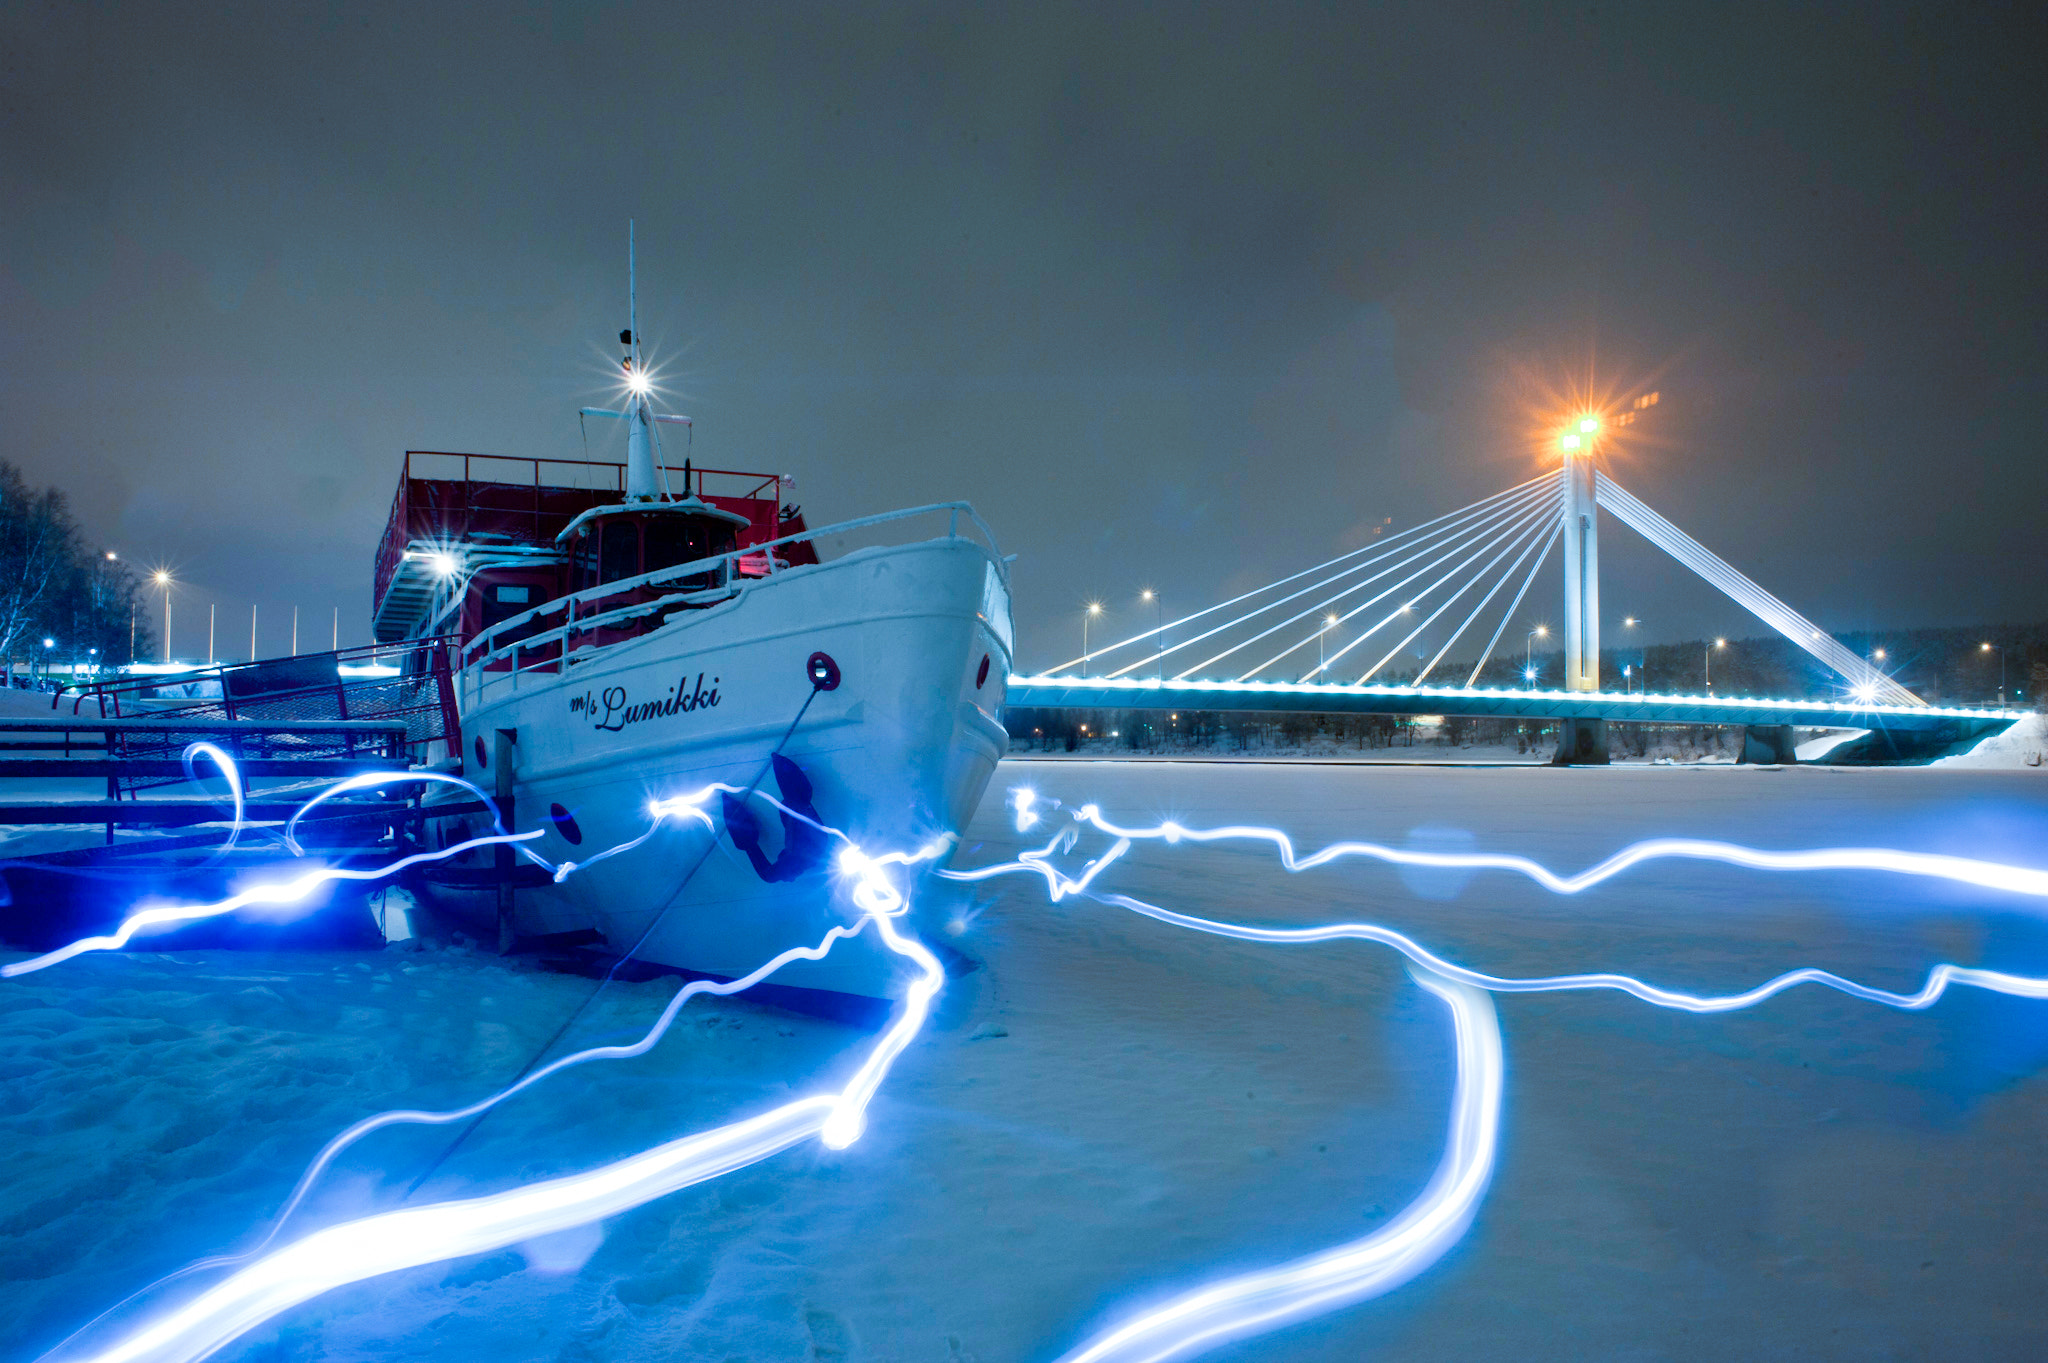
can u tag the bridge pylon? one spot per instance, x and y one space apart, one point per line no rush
1580 509
1581 741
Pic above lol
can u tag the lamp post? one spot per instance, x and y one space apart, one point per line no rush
1642 667
1708 653
162 578
1094 609
1528 658
1329 623
1994 648
1159 633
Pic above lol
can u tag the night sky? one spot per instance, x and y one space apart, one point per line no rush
1181 298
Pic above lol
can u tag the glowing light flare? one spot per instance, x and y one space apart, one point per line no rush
1557 401
1367 1267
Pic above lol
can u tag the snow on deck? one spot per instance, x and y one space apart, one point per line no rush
1113 1110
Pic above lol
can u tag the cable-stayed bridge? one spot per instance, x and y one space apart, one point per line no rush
1462 577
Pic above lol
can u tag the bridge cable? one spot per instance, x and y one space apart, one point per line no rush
1375 547
1530 526
1438 542
1510 515
1396 614
1516 604
1449 541
1537 515
1506 577
1531 537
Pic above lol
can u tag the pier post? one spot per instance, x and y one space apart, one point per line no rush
1581 743
1768 744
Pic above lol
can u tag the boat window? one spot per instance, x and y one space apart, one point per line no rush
684 539
583 572
621 550
503 600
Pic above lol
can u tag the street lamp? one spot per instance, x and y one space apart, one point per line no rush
1709 655
1642 657
1094 609
1329 623
162 578
1159 634
1994 648
1528 660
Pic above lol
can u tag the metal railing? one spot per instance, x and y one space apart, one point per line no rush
307 687
491 656
532 479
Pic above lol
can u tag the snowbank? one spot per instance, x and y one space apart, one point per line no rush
2024 745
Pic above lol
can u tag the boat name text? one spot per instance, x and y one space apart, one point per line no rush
611 711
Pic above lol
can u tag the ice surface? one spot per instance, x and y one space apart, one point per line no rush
1111 1110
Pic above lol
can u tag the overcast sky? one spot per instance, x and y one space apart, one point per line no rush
1178 297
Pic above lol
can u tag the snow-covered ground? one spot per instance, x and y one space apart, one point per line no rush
1111 1109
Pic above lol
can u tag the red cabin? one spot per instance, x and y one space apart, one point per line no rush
476 539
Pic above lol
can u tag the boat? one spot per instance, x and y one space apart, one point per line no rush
624 634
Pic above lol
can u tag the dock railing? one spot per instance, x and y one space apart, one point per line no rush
304 688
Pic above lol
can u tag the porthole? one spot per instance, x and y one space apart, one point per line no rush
481 760
981 673
565 824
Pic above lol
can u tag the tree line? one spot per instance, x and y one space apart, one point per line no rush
63 599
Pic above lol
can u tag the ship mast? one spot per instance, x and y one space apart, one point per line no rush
641 484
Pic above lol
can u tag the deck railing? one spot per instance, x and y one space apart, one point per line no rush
515 646
527 482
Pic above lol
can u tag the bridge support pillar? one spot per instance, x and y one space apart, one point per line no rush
1581 512
1581 743
1767 744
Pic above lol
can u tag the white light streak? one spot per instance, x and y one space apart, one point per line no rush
1378 1263
1262 1300
1990 875
386 1242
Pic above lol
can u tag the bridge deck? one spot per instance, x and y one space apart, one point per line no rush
1124 693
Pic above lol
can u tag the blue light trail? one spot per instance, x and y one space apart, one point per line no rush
1265 1299
385 1242
270 1282
1990 875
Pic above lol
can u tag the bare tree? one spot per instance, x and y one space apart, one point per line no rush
38 549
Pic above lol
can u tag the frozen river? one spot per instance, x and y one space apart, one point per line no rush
1112 1110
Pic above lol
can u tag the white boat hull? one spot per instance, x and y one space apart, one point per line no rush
897 755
